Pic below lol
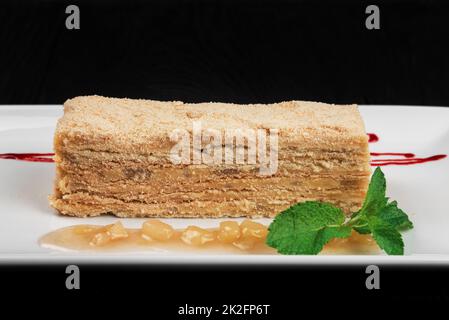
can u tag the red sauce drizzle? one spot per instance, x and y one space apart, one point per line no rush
380 154
372 137
403 159
406 161
31 157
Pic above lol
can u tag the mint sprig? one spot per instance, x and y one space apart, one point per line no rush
306 227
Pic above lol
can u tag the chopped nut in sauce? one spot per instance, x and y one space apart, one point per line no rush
157 230
197 236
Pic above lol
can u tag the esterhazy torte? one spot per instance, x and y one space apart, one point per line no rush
113 156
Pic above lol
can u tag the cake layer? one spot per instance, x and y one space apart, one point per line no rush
199 173
83 204
88 157
69 184
323 162
143 126
270 203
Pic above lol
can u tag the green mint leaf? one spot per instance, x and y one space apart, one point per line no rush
395 217
386 236
359 223
375 198
363 229
390 214
306 227
329 233
375 204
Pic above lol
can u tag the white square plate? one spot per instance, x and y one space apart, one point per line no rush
422 190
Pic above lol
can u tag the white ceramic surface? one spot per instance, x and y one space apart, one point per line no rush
422 191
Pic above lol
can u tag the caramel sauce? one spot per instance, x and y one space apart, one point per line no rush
79 238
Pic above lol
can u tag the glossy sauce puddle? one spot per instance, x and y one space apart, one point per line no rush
68 239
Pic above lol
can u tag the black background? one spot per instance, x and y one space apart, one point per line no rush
293 292
231 51
226 50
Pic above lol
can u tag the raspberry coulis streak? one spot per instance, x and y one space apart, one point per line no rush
372 137
31 157
402 159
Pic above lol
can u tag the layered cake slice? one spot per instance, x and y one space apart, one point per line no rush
143 158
